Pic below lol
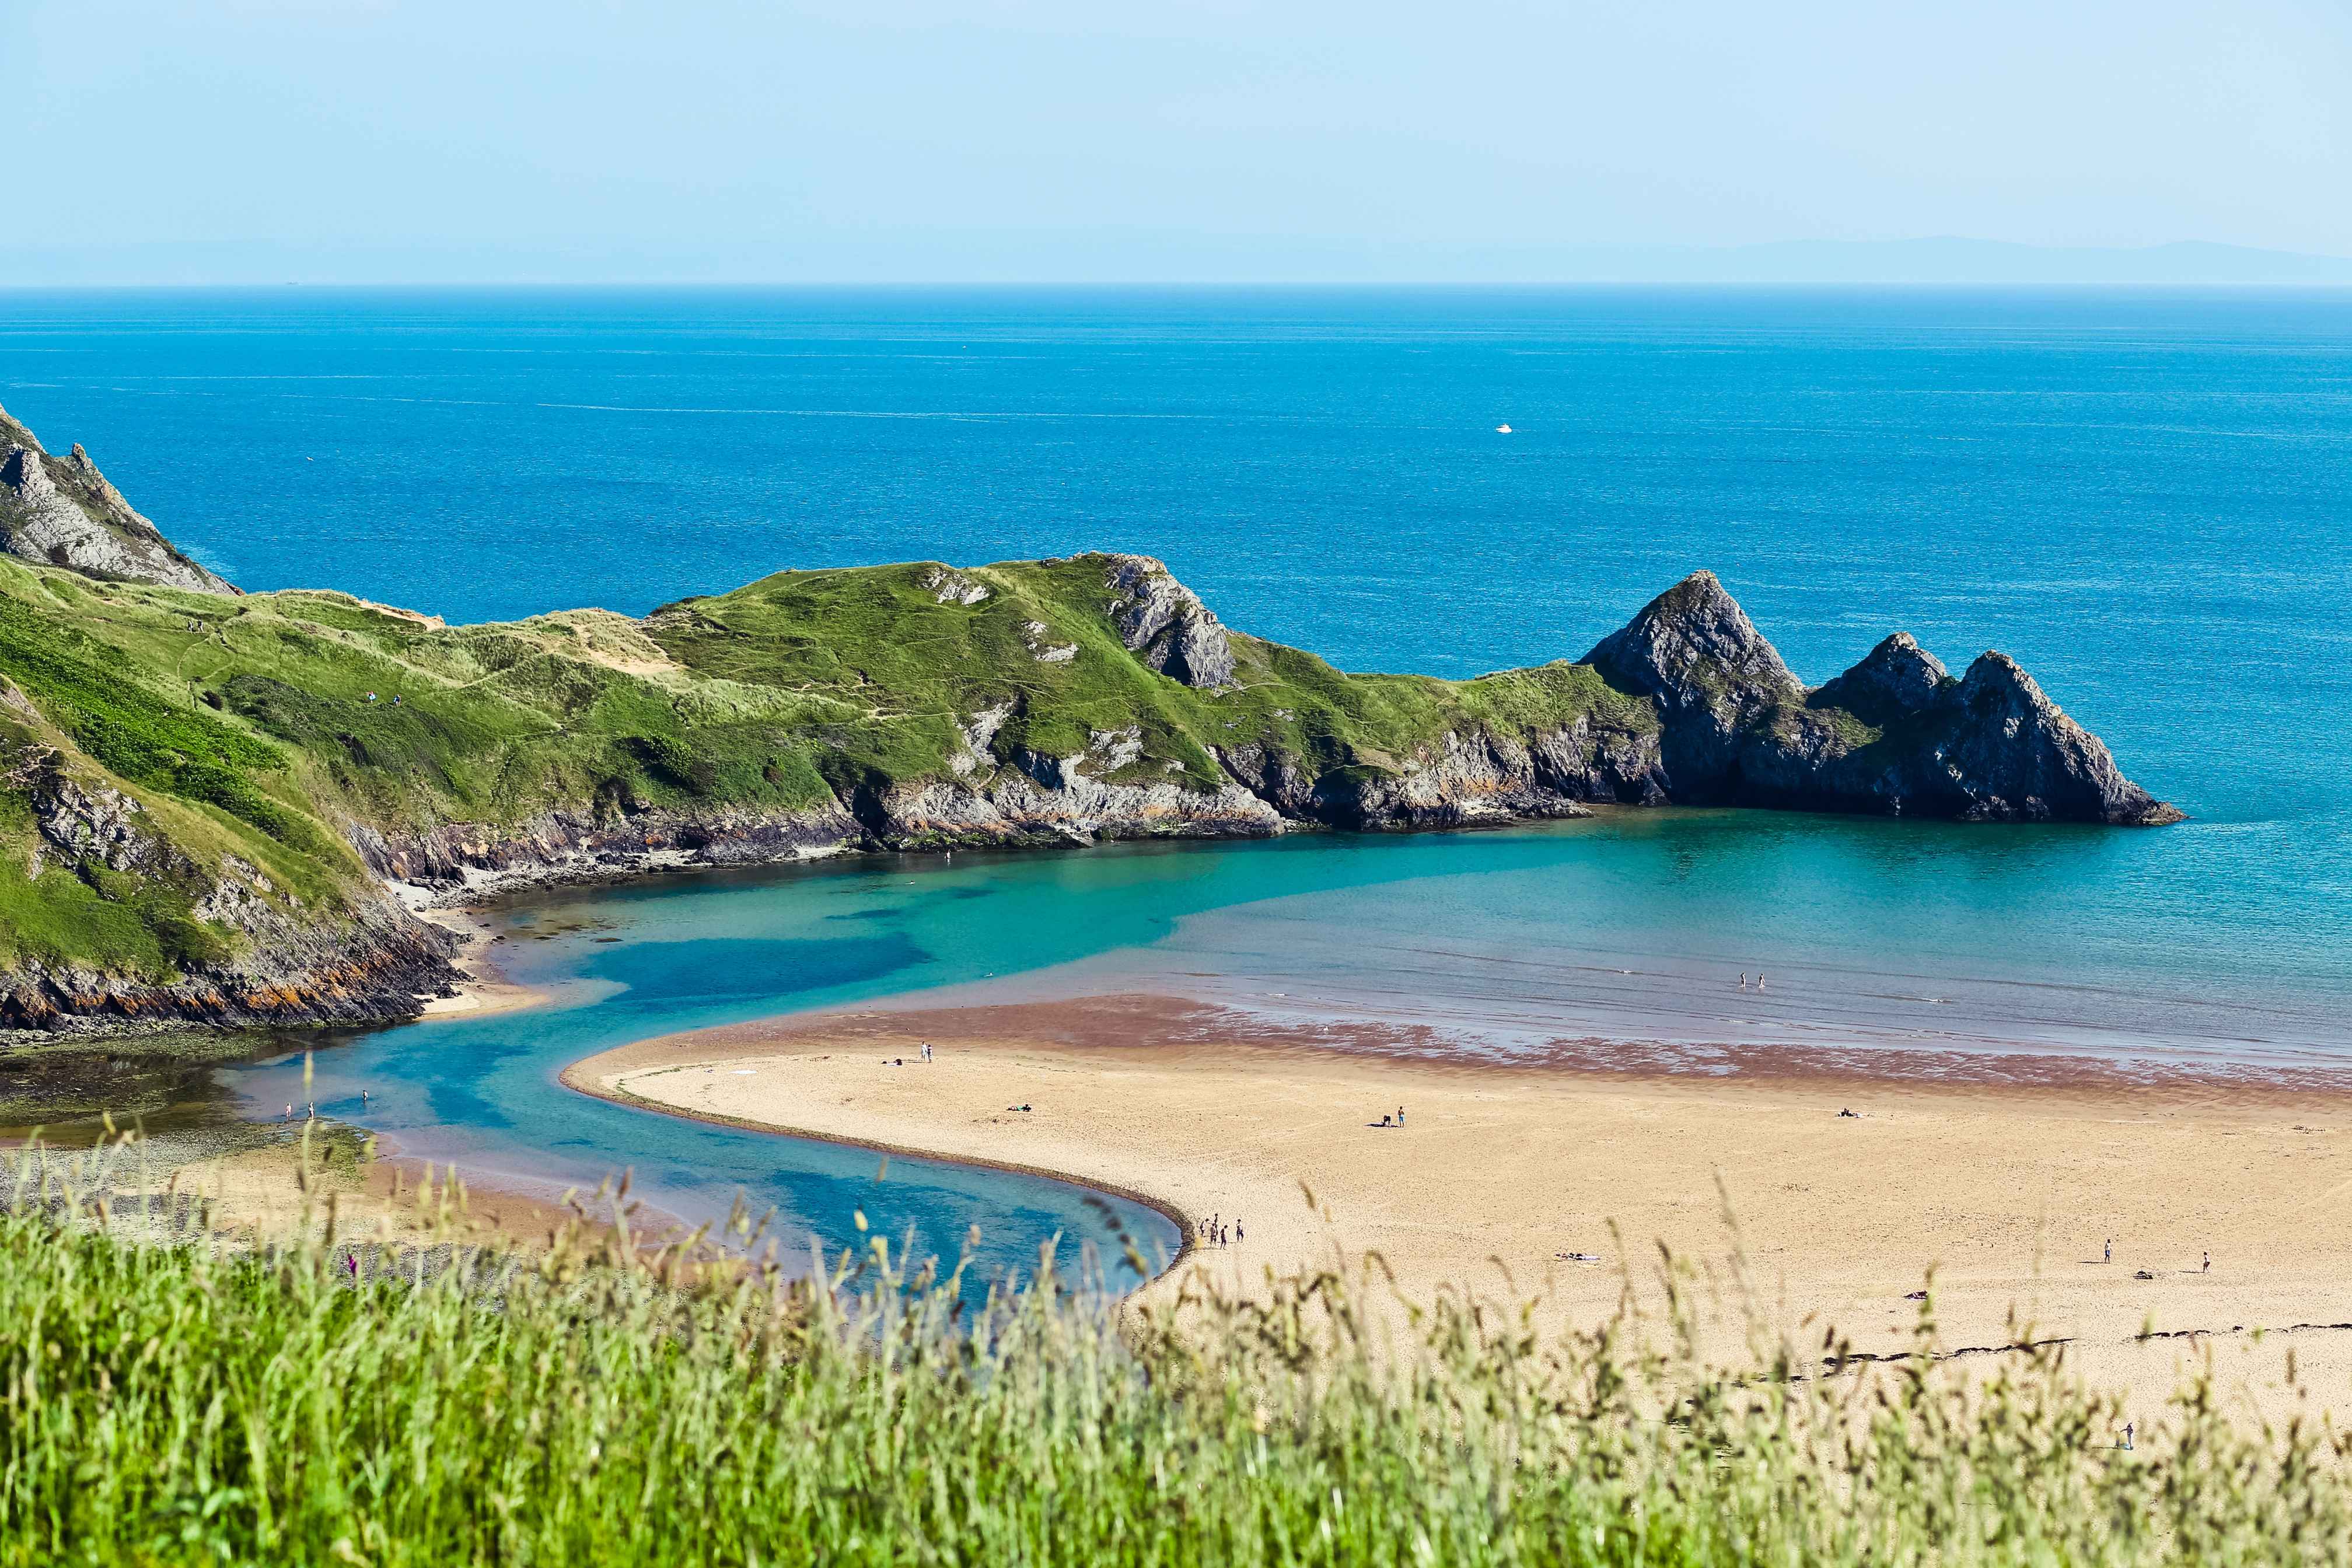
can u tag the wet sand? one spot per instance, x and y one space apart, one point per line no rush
2005 1177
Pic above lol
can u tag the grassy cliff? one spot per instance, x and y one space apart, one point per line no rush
204 794
254 740
203 797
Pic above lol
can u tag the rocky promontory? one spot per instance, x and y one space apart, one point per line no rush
62 512
1895 733
227 807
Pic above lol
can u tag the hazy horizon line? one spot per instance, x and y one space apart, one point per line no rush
1216 261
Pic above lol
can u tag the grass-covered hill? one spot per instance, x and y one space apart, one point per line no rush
181 774
204 795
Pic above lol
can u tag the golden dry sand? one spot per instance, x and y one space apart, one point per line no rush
483 988
2008 1193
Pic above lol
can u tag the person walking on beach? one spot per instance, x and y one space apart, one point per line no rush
2209 1264
2110 1254
1238 1231
2128 1434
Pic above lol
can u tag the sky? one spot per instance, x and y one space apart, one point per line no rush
583 141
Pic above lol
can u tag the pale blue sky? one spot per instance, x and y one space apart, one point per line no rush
588 140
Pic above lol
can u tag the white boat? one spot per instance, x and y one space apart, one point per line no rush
1502 430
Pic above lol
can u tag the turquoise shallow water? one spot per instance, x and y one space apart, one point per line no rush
1884 936
2141 495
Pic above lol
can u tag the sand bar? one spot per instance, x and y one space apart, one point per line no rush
2006 1178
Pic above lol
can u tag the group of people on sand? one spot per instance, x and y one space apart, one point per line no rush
1385 1122
1217 1232
2108 1255
924 1055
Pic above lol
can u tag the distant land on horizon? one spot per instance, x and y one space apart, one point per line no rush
1133 257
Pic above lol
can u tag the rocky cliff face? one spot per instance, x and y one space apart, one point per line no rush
376 969
1986 747
1464 780
461 862
283 968
60 511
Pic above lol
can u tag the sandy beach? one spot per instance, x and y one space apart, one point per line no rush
2008 1179
484 989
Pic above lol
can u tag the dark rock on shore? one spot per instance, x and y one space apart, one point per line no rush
376 968
284 969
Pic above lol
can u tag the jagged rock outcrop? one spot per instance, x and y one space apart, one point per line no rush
1895 680
60 511
1694 652
1894 735
1993 747
950 586
1163 623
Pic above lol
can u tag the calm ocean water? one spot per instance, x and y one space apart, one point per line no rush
2145 497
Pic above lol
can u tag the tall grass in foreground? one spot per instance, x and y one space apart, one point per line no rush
167 1402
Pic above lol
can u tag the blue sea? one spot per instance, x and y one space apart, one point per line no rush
2146 498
